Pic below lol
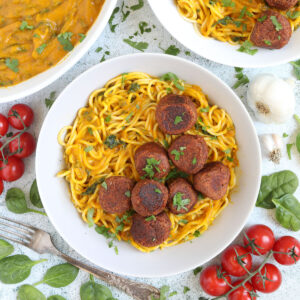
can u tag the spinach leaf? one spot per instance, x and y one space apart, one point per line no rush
60 275
35 196
16 203
275 186
94 291
288 212
29 292
5 249
16 268
56 297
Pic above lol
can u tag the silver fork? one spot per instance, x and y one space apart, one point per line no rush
40 241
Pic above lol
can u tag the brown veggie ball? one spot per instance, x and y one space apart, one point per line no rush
272 30
282 4
150 233
114 194
149 197
189 153
153 158
213 180
180 190
176 114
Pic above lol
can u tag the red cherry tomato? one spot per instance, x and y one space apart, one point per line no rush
1 186
3 125
262 237
211 282
25 113
27 144
13 170
289 245
242 293
272 281
230 260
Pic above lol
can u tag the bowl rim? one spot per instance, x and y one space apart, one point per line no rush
175 59
69 60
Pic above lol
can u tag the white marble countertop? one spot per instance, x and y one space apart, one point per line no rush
113 42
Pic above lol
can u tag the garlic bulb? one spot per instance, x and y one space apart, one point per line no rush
272 144
272 99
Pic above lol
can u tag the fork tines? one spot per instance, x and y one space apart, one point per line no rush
16 231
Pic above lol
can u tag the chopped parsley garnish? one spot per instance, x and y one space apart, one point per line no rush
186 289
112 141
126 14
82 37
242 79
285 135
268 42
41 48
104 231
197 270
179 202
141 46
177 154
227 3
90 130
227 151
261 19
107 119
137 6
88 148
116 250
200 196
119 228
288 150
296 67
144 27
172 77
194 161
276 23
99 49
197 233
13 64
151 218
104 185
152 164
293 15
166 144
205 109
158 191
183 221
110 21
92 188
134 87
229 158
244 12
174 173
178 119
127 193
223 21
89 216
24 25
246 47
172 50
65 40
164 293
188 53
49 101
36 36
129 117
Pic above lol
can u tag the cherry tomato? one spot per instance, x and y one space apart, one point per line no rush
3 125
289 245
230 260
262 237
212 283
27 144
1 186
13 170
25 113
242 293
272 280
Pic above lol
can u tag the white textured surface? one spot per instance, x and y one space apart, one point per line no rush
113 42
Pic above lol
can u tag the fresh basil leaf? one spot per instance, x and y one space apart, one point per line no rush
60 275
35 196
29 292
15 201
94 291
16 268
5 249
275 186
56 297
288 212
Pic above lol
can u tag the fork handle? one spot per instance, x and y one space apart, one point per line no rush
137 290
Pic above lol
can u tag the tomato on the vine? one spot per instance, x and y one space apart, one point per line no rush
1 186
26 144
233 258
261 236
24 112
243 292
268 279
212 282
13 170
3 125
290 245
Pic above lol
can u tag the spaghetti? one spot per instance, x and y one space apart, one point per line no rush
229 21
118 119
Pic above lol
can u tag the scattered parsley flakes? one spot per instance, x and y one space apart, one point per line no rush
229 158
179 202
41 48
205 109
24 25
246 47
276 23
141 46
151 218
296 67
244 12
261 19
177 154
172 77
89 216
90 130
174 173
152 164
197 233
107 119
197 270
178 119
13 64
183 221
65 40
134 87
88 148
227 3
104 231
144 27
268 42
116 250
242 79
82 37
36 36
172 50
288 150
129 117
104 185
293 15
194 161
111 141
49 101
126 14
99 49
158 191
137 6
186 289
110 21
187 53
127 193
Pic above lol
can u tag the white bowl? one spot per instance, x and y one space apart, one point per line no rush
217 51
63 215
45 78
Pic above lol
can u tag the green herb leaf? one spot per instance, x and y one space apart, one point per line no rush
179 202
275 186
175 173
285 135
137 6
151 167
112 142
143 27
246 47
263 18
24 25
13 64
241 78
29 292
227 3
296 67
158 191
276 23
111 19
134 87
194 161
298 142
186 289
60 275
197 270
65 40
293 15
288 212
151 218
49 101
172 50
104 185
183 221
197 233
204 109
92 188
126 14
177 154
128 194
41 48
94 291
5 248
16 268
178 119
116 250
35 198
172 77
141 46
56 297
99 49
268 42
82 37
89 216
88 149
104 231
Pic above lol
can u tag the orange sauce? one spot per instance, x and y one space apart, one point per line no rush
36 34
